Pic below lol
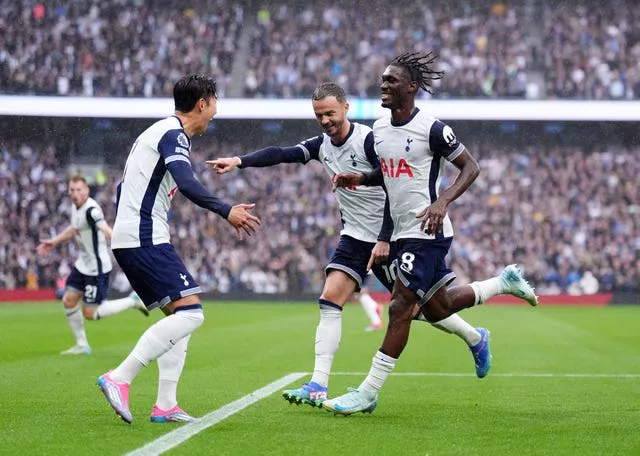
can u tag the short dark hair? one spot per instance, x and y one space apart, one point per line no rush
419 66
329 89
190 88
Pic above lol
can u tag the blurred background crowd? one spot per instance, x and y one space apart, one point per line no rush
570 216
574 49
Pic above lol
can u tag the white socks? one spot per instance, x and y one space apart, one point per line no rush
170 368
455 324
76 322
328 337
381 367
156 341
486 289
370 307
114 306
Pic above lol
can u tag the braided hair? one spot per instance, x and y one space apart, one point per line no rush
419 66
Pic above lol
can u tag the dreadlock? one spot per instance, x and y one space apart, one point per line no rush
418 64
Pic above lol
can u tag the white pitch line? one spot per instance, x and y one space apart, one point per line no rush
180 435
499 374
177 436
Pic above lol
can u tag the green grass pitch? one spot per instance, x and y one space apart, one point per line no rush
51 405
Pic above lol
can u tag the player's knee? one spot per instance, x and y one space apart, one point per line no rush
69 301
338 287
336 297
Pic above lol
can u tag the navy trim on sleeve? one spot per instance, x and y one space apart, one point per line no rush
174 142
193 189
312 147
443 141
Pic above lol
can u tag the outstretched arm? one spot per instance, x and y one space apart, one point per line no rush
268 156
174 147
192 188
46 245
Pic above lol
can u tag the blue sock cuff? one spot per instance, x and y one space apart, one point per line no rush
190 307
332 305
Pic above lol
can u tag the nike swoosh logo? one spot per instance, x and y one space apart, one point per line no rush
378 142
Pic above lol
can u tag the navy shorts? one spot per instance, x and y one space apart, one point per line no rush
352 256
94 289
157 274
421 267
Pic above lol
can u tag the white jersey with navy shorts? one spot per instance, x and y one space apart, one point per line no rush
361 209
157 167
90 273
412 156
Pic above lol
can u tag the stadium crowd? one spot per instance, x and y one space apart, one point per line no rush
592 52
570 217
121 48
487 49
481 49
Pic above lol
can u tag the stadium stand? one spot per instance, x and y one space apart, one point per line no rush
577 209
121 48
274 48
592 52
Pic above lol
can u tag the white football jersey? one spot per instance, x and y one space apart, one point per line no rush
361 209
412 156
147 187
93 258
